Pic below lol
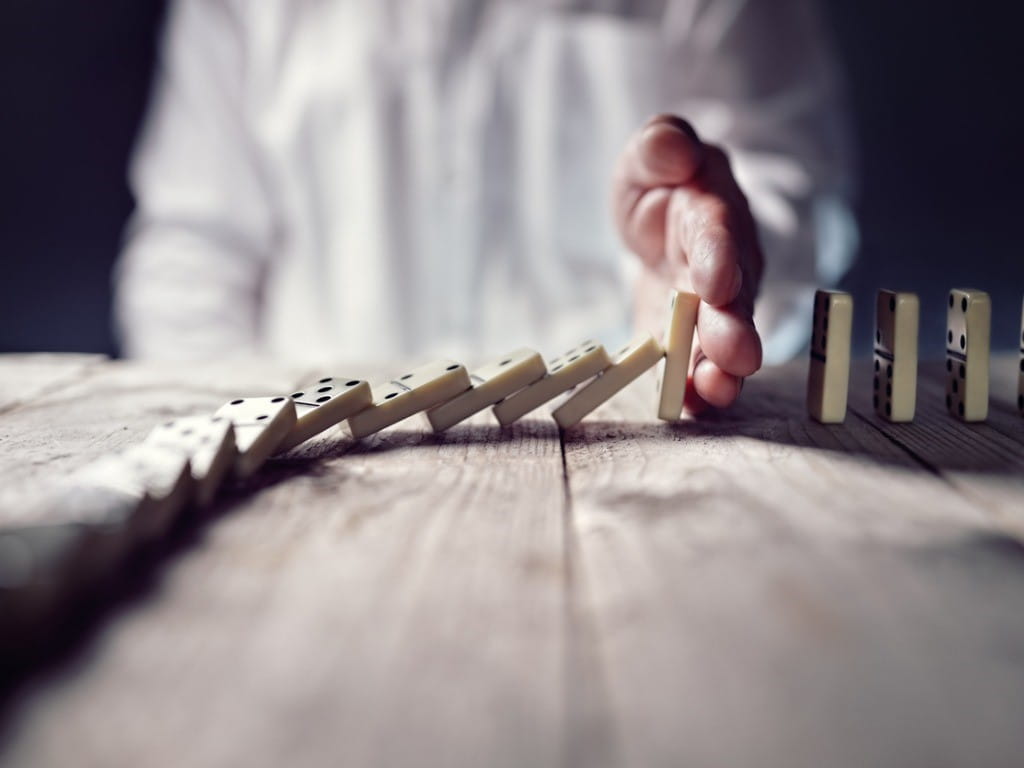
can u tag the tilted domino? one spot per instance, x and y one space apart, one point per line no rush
148 484
322 405
37 567
631 361
563 373
261 425
895 382
117 504
828 376
209 444
419 390
84 529
104 516
491 383
968 328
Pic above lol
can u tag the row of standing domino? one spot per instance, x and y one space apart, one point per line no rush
968 334
76 539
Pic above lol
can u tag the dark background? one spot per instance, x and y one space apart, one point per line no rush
935 96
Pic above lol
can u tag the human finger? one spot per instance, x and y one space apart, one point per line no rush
729 339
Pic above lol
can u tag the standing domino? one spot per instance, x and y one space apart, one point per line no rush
678 344
632 360
574 367
968 325
896 323
261 425
491 383
209 444
422 389
320 406
828 379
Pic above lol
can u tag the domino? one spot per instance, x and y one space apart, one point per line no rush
36 566
84 528
119 502
105 515
209 444
678 343
491 383
421 389
896 329
1020 379
968 325
631 361
88 525
320 406
563 373
261 425
146 487
828 377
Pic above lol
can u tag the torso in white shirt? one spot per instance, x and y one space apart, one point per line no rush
422 176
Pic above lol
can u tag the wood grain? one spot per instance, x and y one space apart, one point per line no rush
392 602
765 590
985 461
752 588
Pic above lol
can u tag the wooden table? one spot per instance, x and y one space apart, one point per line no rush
753 589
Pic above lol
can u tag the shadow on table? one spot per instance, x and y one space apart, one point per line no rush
935 442
770 410
66 641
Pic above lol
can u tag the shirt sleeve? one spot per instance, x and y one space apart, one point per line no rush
759 79
188 281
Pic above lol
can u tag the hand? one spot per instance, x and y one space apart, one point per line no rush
679 208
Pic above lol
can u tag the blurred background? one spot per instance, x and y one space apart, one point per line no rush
933 99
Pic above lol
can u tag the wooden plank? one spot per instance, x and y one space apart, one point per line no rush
397 602
753 588
765 590
25 377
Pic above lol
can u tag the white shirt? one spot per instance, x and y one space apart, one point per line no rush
381 179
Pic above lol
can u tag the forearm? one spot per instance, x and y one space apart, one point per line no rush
189 280
183 294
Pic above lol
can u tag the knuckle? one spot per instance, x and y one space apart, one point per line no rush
712 218
715 211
